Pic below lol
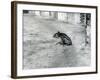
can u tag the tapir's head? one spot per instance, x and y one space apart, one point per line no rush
56 35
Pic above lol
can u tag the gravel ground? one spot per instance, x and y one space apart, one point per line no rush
40 49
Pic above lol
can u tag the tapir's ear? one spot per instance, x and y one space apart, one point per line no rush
58 32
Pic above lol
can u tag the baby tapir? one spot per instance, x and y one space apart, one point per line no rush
65 40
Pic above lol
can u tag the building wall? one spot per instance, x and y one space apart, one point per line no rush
77 18
73 18
62 16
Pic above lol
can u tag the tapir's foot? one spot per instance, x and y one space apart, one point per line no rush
64 44
59 43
